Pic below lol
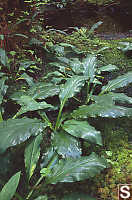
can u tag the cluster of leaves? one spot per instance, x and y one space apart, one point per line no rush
62 102
125 46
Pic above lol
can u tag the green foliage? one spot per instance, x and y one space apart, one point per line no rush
66 145
76 169
118 154
59 92
29 104
88 33
19 130
60 104
32 153
81 129
9 189
3 88
119 82
104 106
125 46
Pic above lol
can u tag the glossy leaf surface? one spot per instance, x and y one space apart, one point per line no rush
119 82
3 88
125 46
27 78
43 90
114 97
71 170
66 145
104 107
89 65
47 157
82 129
10 187
76 65
38 91
108 68
16 131
71 87
29 104
32 153
3 57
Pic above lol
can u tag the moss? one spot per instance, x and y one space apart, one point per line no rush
118 154
115 56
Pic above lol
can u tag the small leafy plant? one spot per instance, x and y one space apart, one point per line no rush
76 83
125 46
85 33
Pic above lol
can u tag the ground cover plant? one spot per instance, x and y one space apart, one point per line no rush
59 106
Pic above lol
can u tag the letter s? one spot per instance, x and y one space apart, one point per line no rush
125 192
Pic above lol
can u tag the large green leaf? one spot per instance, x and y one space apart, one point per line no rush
43 90
104 107
108 68
89 65
68 64
71 87
119 82
39 91
95 110
3 88
76 65
61 66
17 95
122 98
3 57
95 26
27 78
66 145
125 46
82 129
112 98
10 187
16 131
29 104
104 100
47 158
32 153
77 169
64 60
77 196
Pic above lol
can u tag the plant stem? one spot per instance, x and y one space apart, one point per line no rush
42 176
1 119
54 157
77 99
88 89
59 115
45 118
30 193
101 93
